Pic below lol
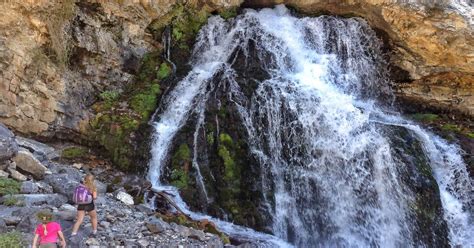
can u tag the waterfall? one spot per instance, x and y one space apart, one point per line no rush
333 158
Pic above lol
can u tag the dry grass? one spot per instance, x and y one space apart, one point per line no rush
57 21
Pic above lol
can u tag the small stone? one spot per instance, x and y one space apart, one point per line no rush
67 207
77 165
3 173
105 224
17 175
143 242
197 234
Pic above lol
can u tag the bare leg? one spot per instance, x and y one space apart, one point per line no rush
79 219
93 215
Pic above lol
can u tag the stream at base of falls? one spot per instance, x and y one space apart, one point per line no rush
337 165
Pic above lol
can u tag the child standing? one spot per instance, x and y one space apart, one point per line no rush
48 231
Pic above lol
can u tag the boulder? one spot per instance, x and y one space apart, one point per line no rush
17 175
29 187
66 212
41 151
11 220
28 163
8 144
63 184
27 218
55 200
74 174
124 197
197 234
156 225
3 174
101 187
44 187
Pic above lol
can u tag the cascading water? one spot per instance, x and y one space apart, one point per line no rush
332 170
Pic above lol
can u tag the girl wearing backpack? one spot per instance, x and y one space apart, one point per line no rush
47 232
84 196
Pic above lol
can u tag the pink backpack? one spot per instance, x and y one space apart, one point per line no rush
82 195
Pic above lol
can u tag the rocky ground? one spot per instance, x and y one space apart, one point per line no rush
46 181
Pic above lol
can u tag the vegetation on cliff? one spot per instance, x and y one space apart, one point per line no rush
119 115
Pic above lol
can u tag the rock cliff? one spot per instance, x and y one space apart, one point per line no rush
58 57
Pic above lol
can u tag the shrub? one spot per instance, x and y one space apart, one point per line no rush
11 240
9 186
164 71
10 201
451 127
109 95
73 152
145 102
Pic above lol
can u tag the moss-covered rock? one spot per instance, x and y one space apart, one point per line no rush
180 170
74 152
203 225
120 117
228 13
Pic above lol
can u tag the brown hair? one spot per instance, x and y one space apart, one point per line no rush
89 183
45 217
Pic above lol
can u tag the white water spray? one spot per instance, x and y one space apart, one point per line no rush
328 169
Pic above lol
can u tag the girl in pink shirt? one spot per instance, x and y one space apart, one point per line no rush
47 232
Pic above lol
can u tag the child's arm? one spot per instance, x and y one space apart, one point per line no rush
35 241
94 195
63 240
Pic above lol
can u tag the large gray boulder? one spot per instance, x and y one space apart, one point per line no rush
30 200
29 187
8 144
63 184
41 151
28 163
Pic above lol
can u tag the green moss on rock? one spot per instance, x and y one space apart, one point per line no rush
119 116
229 163
164 71
451 127
228 13
425 117
180 167
73 152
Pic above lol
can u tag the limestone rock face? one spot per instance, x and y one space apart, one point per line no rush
56 57
444 92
